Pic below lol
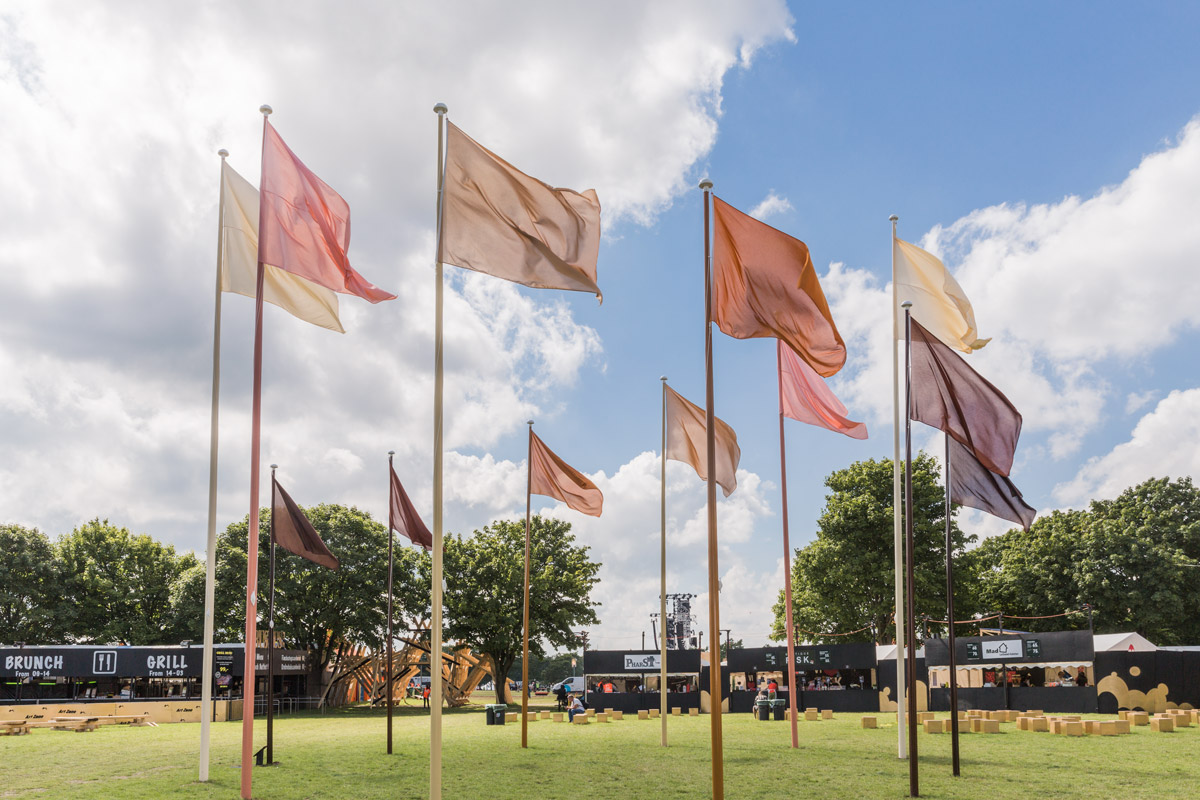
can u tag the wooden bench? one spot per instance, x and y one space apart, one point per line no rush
14 727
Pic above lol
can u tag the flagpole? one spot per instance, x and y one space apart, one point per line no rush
210 556
714 600
271 637
435 589
525 635
897 509
787 561
252 528
950 623
913 788
662 585
388 674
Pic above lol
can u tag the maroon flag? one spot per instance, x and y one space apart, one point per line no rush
550 476
292 531
950 396
974 485
403 517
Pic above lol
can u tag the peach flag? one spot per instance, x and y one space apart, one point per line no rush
687 442
806 397
499 221
550 476
938 301
765 285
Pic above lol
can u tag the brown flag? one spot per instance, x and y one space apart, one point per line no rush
550 476
687 441
403 516
974 485
950 396
293 532
499 221
764 285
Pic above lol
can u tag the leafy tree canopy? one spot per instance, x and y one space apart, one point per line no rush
29 574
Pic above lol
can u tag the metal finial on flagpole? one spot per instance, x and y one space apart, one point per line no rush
223 153
907 304
441 108
662 377
529 422
391 452
265 110
706 185
274 467
893 218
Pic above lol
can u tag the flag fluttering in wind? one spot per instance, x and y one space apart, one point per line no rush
806 397
938 301
947 394
499 221
974 485
239 260
304 225
765 285
550 476
294 533
403 516
687 441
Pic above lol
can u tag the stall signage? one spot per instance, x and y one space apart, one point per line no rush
1005 650
166 666
33 666
1033 648
973 651
814 658
641 661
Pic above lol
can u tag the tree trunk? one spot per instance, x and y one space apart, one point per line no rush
500 677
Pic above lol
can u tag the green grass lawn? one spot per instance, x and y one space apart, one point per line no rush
341 755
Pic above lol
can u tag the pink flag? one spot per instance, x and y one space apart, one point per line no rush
806 398
550 476
304 225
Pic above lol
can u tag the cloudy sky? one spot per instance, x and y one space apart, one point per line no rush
1050 156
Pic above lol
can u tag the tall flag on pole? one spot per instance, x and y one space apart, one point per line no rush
550 476
806 398
938 301
974 485
301 298
403 516
304 226
686 441
294 532
764 285
950 396
502 222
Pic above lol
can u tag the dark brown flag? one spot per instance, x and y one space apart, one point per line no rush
950 396
974 485
403 517
293 532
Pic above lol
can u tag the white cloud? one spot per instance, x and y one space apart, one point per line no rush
1136 401
771 205
1153 451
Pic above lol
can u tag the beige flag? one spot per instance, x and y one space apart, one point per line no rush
686 441
939 303
239 261
499 221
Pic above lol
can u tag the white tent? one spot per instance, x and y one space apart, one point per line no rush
1122 642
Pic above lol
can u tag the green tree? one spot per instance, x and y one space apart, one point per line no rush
485 580
30 611
116 586
733 644
844 579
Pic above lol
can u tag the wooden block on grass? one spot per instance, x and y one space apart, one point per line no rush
1122 714
1091 727
676 711
989 726
1071 728
511 716
1138 718
654 713
591 712
557 717
977 724
1108 727
1183 720
601 717
812 715
533 716
581 719
826 713
643 715
693 712
1122 725
1162 723
544 715
870 722
1038 724
933 726
616 715
1037 713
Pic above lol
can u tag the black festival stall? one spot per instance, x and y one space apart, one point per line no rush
840 677
1147 681
1016 671
627 680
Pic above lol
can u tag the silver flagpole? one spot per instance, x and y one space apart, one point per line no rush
210 566
662 591
897 520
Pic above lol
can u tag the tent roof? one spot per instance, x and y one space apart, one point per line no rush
1115 642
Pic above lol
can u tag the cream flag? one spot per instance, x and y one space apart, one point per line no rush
939 303
686 441
239 261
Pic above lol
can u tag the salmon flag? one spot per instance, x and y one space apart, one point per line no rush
764 285
807 399
239 260
974 485
293 532
499 221
550 476
938 301
950 396
687 441
304 225
403 517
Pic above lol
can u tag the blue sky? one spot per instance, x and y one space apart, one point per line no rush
1048 153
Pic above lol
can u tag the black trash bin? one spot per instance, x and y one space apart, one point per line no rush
764 710
490 711
500 709
779 709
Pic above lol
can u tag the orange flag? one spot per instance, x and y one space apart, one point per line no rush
550 476
304 225
687 442
499 221
806 398
764 285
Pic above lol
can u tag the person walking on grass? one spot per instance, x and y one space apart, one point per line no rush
425 697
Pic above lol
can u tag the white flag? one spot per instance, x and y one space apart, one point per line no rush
939 303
